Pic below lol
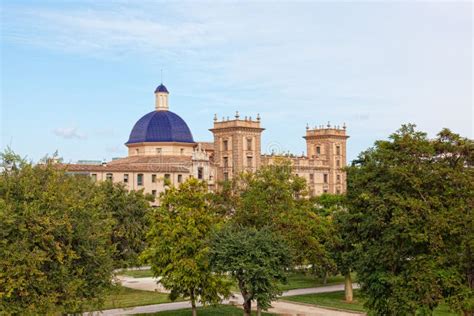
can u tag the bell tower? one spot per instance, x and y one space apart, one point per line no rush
237 145
327 145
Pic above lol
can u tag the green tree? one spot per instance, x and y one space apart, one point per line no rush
178 244
55 250
256 258
410 204
338 242
274 196
130 212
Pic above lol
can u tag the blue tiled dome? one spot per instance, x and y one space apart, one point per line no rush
160 126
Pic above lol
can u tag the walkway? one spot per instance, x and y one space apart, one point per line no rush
278 307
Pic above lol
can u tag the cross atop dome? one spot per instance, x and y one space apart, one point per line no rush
161 98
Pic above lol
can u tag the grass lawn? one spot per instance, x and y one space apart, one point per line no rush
225 310
126 297
296 280
299 280
336 300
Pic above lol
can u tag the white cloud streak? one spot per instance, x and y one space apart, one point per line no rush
69 133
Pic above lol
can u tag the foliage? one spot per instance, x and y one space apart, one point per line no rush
256 258
178 248
410 213
274 196
130 212
55 250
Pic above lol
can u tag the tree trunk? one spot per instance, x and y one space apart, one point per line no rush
259 310
193 303
348 287
325 277
247 307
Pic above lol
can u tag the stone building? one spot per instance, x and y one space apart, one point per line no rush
162 152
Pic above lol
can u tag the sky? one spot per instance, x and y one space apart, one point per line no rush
77 75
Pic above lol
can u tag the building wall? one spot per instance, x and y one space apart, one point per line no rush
168 149
237 146
322 168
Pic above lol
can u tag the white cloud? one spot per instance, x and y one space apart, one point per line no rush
69 133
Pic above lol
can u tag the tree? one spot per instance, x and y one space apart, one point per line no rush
410 204
338 243
130 212
55 250
178 244
256 258
274 196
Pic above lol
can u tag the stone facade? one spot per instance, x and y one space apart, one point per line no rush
154 165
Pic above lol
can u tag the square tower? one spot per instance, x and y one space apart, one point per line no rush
237 146
328 145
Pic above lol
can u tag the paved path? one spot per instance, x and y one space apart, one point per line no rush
278 307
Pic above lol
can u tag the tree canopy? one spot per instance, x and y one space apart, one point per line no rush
130 211
256 258
55 249
410 204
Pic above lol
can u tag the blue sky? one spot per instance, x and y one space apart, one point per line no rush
76 75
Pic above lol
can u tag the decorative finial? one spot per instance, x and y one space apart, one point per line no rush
227 118
258 116
223 119
237 114
250 118
215 117
344 125
329 124
307 126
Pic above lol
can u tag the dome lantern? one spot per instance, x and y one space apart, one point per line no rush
161 98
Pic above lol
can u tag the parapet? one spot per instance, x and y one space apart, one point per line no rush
326 131
236 122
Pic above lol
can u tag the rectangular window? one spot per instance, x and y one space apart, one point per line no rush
153 178
109 177
153 192
338 178
249 143
181 151
158 151
338 150
338 191
226 162
140 179
167 176
200 173
225 145
137 151
226 176
311 177
180 178
338 163
318 150
94 177
325 190
125 178
249 161
325 178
